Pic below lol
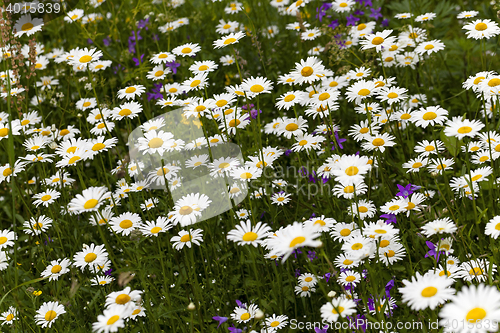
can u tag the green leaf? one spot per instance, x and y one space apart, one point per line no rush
452 144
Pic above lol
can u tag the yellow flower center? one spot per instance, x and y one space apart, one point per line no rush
250 236
306 71
56 269
351 171
27 26
90 257
464 129
229 41
155 143
378 142
234 122
291 127
112 319
185 210
475 314
185 238
345 232
90 204
429 115
481 26
297 240
377 40
186 50
357 246
50 315
122 299
364 92
85 59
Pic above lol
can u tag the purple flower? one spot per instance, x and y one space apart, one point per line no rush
404 191
48 240
321 330
155 37
155 92
359 12
108 272
391 218
311 255
432 251
295 252
357 321
297 271
220 320
376 13
288 152
89 41
241 305
173 66
339 141
137 61
385 23
106 41
322 10
246 106
143 24
351 20
262 215
327 277
118 68
388 288
334 24
233 329
253 113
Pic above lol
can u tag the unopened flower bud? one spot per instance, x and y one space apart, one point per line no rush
259 314
191 307
332 294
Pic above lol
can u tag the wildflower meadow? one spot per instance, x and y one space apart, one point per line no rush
249 167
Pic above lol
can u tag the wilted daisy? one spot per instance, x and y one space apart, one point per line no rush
56 268
187 238
48 313
246 234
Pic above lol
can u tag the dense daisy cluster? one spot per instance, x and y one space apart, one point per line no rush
310 161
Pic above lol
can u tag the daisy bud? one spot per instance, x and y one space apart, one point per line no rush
191 307
434 174
79 115
332 294
53 145
259 314
445 210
